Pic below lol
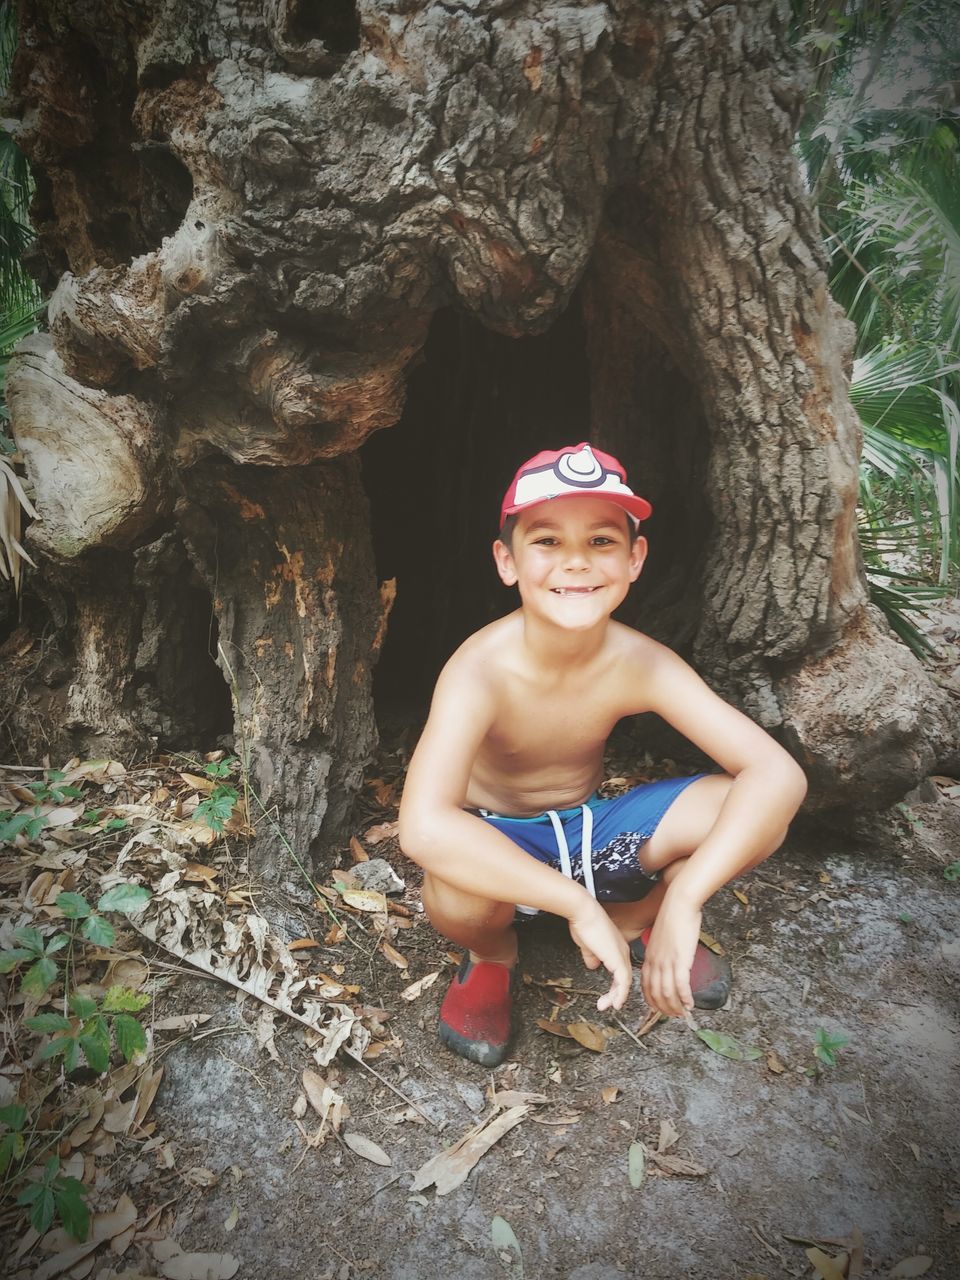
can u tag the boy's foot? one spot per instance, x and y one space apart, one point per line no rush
710 975
475 1014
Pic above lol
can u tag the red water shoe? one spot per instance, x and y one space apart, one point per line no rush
475 1014
710 975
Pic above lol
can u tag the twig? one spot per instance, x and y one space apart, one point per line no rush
234 1063
383 1080
623 1027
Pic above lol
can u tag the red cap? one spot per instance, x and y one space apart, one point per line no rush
577 471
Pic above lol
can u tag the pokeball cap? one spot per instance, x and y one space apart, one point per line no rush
577 471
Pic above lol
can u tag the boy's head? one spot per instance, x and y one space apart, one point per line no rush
576 471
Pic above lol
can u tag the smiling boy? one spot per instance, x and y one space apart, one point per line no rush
500 805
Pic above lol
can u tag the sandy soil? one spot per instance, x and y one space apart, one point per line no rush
858 937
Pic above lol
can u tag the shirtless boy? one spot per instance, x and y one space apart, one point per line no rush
499 806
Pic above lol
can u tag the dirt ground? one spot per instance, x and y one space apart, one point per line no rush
775 1158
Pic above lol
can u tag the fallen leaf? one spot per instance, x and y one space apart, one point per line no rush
449 1168
63 816
669 1137
182 1022
364 899
199 1176
828 1268
741 897
357 852
590 1035
200 873
232 1218
382 831
386 792
417 988
506 1245
506 1098
728 1047
334 934
198 782
710 942
302 944
610 1093
394 956
103 1226
362 1146
918 1265
774 1064
650 1021
200 1266
636 1164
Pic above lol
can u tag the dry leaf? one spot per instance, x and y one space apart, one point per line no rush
555 1028
198 782
417 988
303 944
741 897
393 955
610 1093
199 873
362 1146
918 1265
710 942
182 1022
828 1268
650 1021
200 1266
336 933
357 852
382 831
590 1035
199 1176
449 1168
669 1137
103 1226
232 1218
774 1064
507 1098
364 899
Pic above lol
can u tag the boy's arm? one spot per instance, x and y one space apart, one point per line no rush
469 854
768 789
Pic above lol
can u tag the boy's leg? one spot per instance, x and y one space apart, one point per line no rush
475 1013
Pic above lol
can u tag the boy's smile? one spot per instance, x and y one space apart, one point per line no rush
574 550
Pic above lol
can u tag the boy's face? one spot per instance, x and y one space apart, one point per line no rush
572 560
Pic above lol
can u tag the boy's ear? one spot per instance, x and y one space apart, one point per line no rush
504 561
638 553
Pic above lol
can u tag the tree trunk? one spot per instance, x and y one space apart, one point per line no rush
275 230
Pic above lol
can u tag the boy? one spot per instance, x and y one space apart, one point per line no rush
499 806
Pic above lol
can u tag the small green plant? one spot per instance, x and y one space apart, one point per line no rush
221 768
30 822
828 1044
13 1143
217 809
50 790
89 1029
952 871
43 972
55 1193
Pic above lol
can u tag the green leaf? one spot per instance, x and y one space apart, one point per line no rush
828 1044
47 1023
217 807
68 1194
95 1043
42 1206
82 1006
952 871
12 1147
506 1242
57 943
99 931
67 1045
39 977
125 898
728 1047
10 959
14 1116
30 938
73 905
124 1000
131 1037
636 1164
114 824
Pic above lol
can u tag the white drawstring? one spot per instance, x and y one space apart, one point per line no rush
586 848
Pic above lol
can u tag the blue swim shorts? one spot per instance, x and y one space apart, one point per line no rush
598 843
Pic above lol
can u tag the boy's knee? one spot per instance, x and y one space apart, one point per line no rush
445 904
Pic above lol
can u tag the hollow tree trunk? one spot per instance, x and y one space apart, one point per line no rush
252 214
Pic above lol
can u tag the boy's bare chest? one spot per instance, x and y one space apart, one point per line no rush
565 722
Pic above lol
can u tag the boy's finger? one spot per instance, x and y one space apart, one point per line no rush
589 959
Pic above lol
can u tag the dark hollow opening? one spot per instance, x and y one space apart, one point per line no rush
334 22
166 189
478 405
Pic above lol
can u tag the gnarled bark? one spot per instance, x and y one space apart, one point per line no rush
251 256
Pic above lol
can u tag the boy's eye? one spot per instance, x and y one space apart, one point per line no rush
546 541
601 540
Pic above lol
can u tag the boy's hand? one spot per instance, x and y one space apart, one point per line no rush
602 943
665 976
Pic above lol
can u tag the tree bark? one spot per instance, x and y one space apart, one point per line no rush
255 215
